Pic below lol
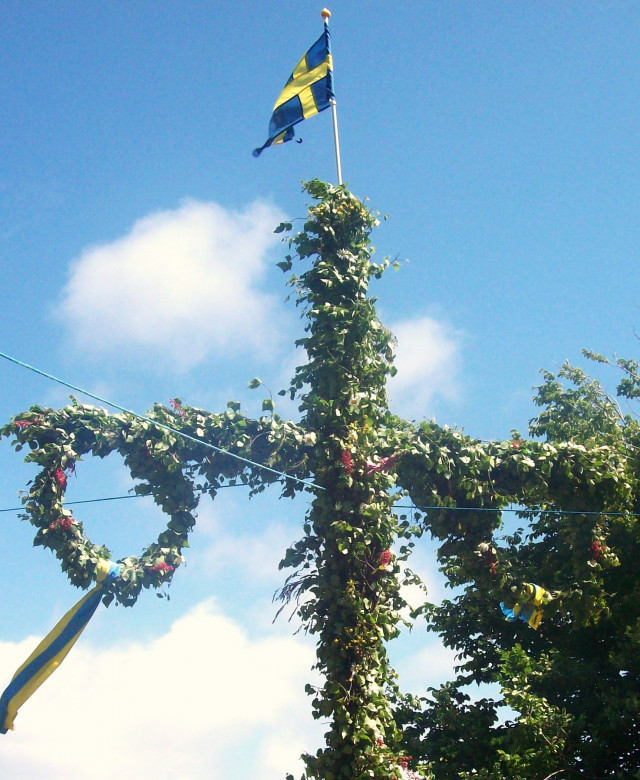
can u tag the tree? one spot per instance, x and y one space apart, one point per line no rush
573 685
358 460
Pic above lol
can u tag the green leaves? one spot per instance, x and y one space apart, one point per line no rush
572 684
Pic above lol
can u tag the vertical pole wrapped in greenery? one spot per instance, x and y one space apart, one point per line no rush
346 576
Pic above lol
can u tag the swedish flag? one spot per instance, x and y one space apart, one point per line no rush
307 92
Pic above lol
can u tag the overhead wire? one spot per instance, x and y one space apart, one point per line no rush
414 507
157 424
118 498
518 509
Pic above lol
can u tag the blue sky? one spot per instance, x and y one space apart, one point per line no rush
139 263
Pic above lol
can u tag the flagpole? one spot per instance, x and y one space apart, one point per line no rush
336 140
325 14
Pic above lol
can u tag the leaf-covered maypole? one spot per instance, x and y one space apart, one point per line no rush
345 573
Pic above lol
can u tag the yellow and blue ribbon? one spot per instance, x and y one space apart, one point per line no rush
53 649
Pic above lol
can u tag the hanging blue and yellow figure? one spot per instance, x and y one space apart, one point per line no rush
530 609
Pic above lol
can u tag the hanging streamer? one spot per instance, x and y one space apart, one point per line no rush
53 649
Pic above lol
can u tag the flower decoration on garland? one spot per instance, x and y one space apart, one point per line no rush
60 477
385 464
62 524
177 407
347 462
162 568
385 558
489 553
20 424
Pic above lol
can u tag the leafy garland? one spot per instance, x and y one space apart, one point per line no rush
164 464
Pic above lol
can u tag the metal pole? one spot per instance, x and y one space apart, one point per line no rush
325 14
336 140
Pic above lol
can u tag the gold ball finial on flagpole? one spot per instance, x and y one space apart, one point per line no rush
325 14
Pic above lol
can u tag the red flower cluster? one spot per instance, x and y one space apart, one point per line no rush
493 568
407 774
60 477
61 524
20 424
347 462
597 551
163 567
385 558
517 444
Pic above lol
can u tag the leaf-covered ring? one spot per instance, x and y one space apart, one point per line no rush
57 440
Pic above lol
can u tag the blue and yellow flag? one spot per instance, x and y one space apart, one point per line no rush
307 92
53 649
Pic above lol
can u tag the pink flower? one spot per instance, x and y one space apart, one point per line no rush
61 524
385 464
517 444
177 408
597 549
385 558
21 424
60 477
163 567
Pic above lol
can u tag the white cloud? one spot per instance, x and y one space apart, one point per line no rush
181 283
203 701
428 362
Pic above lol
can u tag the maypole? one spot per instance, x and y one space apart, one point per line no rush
344 561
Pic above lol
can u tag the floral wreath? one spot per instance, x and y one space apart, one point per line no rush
57 440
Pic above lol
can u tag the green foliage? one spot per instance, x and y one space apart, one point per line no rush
344 559
573 684
163 463
569 692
